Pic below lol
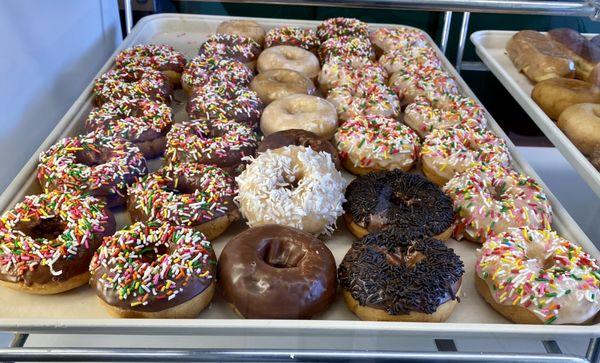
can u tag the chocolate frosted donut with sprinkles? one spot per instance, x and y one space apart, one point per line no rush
143 122
192 195
397 199
202 70
338 27
161 57
154 270
132 82
232 46
297 37
100 165
48 241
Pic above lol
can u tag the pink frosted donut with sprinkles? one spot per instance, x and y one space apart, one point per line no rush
160 57
423 116
436 85
410 60
232 46
48 241
370 143
154 270
455 149
219 142
132 82
304 38
345 47
387 39
364 99
192 195
95 164
225 101
350 71
202 70
537 277
143 122
491 199
339 27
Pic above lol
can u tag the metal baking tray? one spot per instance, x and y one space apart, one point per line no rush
79 310
491 48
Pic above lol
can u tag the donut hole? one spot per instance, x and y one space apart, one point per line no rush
406 200
497 192
471 145
90 158
290 54
295 108
179 188
48 228
281 253
149 254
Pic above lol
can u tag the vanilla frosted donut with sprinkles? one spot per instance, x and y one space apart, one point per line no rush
369 143
364 99
387 39
344 47
535 276
410 60
154 270
492 199
161 57
350 71
434 84
132 82
202 70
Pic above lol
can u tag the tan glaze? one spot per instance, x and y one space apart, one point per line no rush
243 27
289 57
358 170
555 95
581 124
277 83
360 232
267 272
585 53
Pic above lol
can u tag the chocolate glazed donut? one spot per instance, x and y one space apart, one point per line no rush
277 272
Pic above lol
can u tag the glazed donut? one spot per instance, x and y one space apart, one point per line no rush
156 56
581 124
221 143
370 143
410 202
143 122
292 186
305 112
346 47
410 60
200 71
424 116
196 196
154 271
364 99
245 28
393 276
535 276
226 101
299 137
492 199
338 27
277 272
99 165
48 241
277 83
387 39
452 150
350 71
132 82
289 57
297 37
436 85
231 46
555 95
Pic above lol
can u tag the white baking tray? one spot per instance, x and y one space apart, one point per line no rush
491 48
79 310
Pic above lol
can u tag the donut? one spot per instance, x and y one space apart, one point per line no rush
387 39
406 201
277 272
595 157
297 37
452 150
154 271
243 27
424 116
534 276
160 57
491 199
350 71
370 143
222 143
289 57
196 196
201 70
293 186
555 95
436 85
299 137
48 241
132 82
395 276
581 124
226 101
345 47
277 83
231 46
96 164
299 111
338 27
143 122
410 60
364 99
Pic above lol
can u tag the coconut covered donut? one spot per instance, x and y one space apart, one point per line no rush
278 83
370 143
346 47
298 111
436 85
350 71
410 60
48 241
387 39
292 186
338 27
452 150
289 57
492 199
364 99
132 82
243 27
202 70
297 37
160 57
231 46
535 276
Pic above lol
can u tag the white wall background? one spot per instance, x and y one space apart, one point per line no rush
51 49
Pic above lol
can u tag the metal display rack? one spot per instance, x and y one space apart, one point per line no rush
446 348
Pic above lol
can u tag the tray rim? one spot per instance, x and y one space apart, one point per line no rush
270 327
